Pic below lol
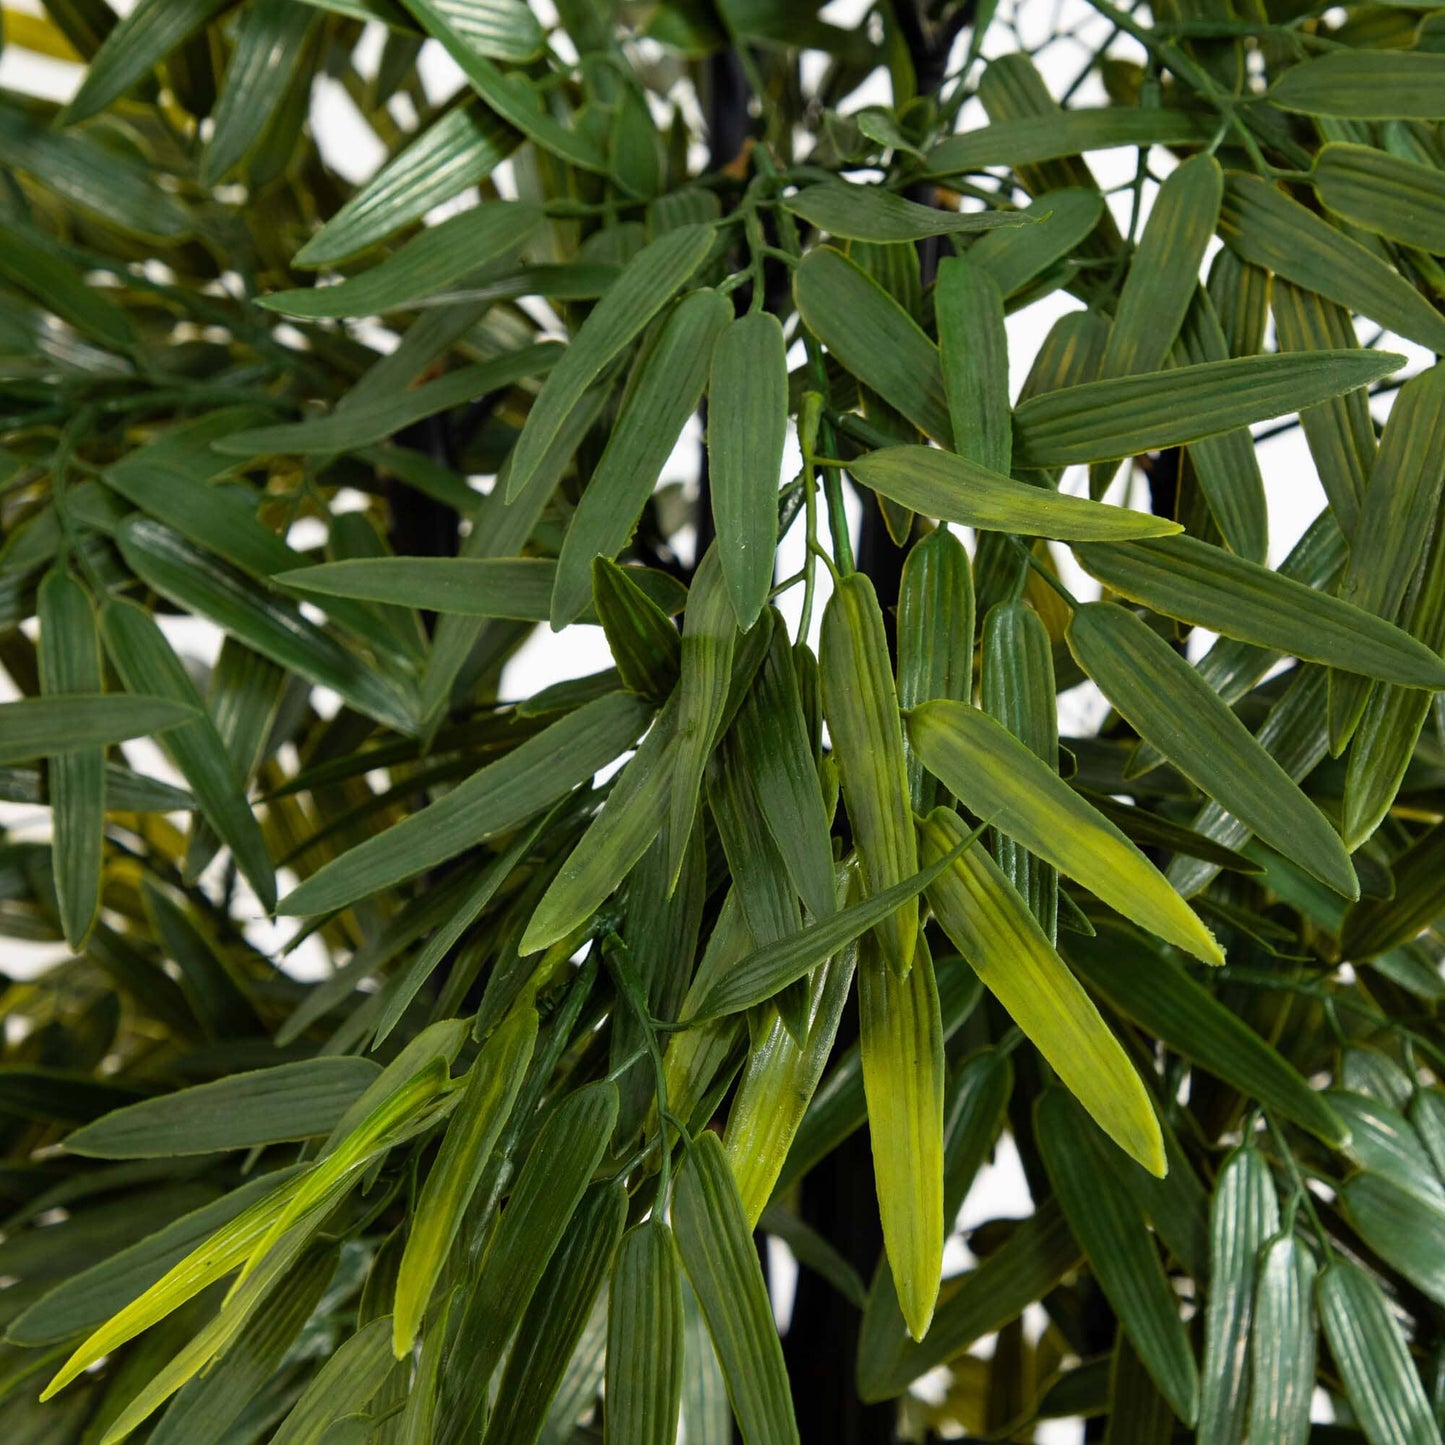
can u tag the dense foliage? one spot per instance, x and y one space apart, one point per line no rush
479 1138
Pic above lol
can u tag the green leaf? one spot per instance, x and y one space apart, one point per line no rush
663 392
1225 465
1282 1345
202 583
861 705
644 643
1263 226
1341 433
772 740
108 184
428 263
491 1088
1107 420
991 925
1172 707
1402 497
1365 85
1402 1228
143 658
87 1299
1151 989
270 45
344 430
208 1406
1109 1225
1017 687
645 1362
142 40
747 427
935 637
869 213
901 1043
44 727
30 260
717 1252
873 337
1208 587
1164 272
996 776
777 1086
70 664
557 1315
1384 1142
709 636
452 23
1015 258
634 814
756 975
1393 197
1375 925
241 1111
513 587
278 1276
940 484
1243 1217
1389 728
1038 1254
346 1382
647 283
1020 143
543 1201
973 351
1380 1379
460 149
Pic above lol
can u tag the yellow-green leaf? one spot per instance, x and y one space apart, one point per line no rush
996 777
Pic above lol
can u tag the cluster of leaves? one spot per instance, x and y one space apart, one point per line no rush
495 1176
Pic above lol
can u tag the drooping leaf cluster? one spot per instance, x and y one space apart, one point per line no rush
426 1050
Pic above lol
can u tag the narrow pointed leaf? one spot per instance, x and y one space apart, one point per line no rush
935 638
543 1200
70 663
1381 1382
1109 1225
1208 587
499 797
973 351
54 726
996 776
747 426
242 1111
663 392
1264 226
1027 142
1244 1215
1365 85
1282 1347
429 263
1397 198
1164 271
146 664
1173 708
645 1332
861 705
991 925
873 337
722 1266
1152 990
1016 258
868 213
901 1040
490 1091
940 484
557 1316
1106 420
646 285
